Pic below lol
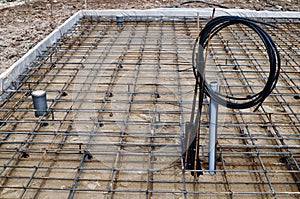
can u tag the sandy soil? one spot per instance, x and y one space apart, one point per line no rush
23 26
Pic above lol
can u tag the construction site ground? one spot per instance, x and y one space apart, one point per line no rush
153 90
23 26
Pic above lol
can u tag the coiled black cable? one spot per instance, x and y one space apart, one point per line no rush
191 155
212 28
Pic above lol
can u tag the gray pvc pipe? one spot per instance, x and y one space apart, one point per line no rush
39 103
120 20
213 118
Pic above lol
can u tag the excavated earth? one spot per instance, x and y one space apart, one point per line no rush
23 25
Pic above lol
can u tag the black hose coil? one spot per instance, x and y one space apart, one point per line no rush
212 28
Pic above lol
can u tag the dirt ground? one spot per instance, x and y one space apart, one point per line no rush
23 26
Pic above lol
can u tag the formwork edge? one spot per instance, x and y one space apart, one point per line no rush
12 73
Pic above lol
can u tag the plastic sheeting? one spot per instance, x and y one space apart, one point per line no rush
193 12
12 73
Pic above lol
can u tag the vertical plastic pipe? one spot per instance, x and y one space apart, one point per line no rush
39 103
120 20
213 118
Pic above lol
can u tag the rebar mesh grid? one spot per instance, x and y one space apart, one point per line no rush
119 100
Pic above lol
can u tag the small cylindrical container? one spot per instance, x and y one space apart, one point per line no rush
40 103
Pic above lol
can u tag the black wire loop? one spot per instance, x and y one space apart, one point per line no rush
212 28
191 155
